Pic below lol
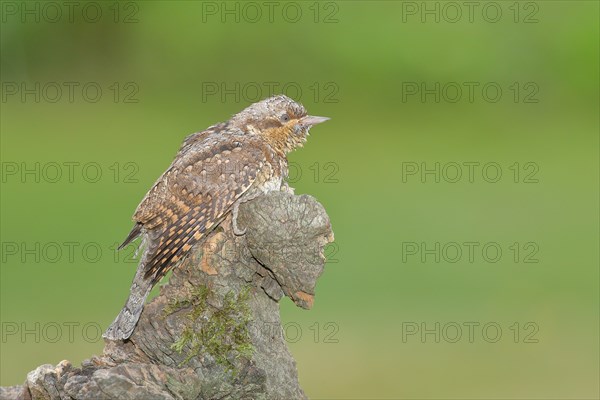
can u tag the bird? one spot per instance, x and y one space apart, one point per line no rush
213 172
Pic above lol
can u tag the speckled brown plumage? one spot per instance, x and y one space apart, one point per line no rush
213 172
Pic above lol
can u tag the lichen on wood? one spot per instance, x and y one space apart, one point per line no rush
221 333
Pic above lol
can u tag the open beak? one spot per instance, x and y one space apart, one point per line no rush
311 120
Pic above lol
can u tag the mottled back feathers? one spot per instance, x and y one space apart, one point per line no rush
196 193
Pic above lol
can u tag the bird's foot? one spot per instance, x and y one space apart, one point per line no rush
285 187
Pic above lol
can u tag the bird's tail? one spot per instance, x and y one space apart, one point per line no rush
123 326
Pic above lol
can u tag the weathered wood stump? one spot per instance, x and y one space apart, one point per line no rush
214 331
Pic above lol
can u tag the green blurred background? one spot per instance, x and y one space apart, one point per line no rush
156 64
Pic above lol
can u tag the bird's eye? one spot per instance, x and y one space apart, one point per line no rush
284 118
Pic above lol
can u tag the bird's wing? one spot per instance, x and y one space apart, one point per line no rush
193 197
187 143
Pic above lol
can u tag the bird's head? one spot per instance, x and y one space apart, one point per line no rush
280 120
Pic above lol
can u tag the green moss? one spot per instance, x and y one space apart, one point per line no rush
222 333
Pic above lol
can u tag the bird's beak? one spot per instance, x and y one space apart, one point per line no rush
311 120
